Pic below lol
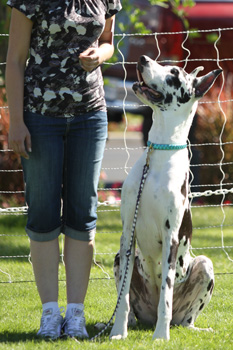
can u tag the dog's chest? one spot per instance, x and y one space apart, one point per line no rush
163 199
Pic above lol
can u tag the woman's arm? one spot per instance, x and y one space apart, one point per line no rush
93 57
19 42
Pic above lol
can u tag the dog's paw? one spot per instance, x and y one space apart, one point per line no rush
158 337
200 329
118 334
116 337
161 333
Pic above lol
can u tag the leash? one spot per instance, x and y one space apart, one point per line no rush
132 239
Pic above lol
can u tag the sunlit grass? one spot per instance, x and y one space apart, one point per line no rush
20 308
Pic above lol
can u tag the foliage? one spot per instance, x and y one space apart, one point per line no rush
10 181
4 28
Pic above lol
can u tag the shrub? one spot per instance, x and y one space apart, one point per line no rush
10 181
215 126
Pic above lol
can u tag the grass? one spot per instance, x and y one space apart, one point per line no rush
20 308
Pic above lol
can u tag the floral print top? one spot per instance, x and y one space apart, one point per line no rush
55 83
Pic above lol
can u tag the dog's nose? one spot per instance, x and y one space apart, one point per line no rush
142 62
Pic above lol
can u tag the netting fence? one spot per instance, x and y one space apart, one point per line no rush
215 190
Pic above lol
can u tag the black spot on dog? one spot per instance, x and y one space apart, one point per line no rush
181 261
167 304
186 226
175 72
184 187
117 260
189 320
154 86
184 98
168 98
168 280
177 275
141 267
172 255
167 224
201 307
210 287
173 81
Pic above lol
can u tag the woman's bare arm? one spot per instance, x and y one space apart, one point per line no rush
93 57
19 42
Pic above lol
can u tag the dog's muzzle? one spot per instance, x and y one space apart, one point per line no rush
142 88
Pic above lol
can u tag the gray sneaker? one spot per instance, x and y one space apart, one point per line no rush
75 325
50 326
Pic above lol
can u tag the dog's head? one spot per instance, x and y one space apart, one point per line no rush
170 87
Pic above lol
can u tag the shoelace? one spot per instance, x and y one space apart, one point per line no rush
75 323
49 324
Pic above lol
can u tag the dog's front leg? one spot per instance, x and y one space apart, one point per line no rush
170 247
119 330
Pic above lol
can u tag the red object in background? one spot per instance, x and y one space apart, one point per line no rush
208 15
158 20
205 15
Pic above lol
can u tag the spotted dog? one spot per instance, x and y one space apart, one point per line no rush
164 284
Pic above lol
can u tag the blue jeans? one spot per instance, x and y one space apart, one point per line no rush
62 175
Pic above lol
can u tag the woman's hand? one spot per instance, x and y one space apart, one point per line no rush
90 59
19 139
93 57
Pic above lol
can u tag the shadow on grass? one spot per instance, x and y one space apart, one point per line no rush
23 337
92 331
15 337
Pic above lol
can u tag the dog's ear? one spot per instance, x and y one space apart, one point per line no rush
204 83
196 71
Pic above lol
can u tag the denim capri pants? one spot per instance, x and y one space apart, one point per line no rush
62 174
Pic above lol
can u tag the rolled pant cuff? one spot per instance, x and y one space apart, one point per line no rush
43 236
79 235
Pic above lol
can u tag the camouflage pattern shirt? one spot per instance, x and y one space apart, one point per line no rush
55 83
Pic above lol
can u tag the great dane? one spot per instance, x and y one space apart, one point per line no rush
164 285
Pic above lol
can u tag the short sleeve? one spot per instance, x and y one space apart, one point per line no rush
113 6
27 7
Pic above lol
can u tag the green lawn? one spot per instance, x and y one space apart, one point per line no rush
20 308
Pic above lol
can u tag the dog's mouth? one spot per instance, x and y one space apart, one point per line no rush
151 94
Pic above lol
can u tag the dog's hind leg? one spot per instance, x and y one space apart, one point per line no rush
191 296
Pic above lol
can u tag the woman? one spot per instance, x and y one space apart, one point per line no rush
58 124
